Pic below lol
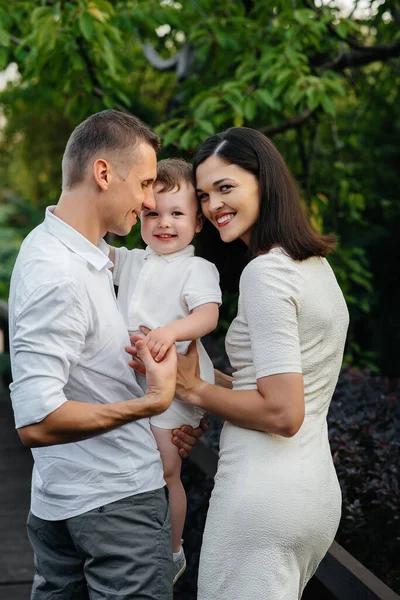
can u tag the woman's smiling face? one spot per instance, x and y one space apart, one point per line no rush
229 198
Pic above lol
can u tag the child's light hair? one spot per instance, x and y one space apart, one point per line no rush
173 172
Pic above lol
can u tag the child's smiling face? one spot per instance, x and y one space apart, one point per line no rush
171 226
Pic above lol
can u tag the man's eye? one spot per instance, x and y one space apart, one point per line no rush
177 213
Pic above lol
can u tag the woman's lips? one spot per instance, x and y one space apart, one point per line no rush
224 219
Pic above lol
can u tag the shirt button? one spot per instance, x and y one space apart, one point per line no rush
100 509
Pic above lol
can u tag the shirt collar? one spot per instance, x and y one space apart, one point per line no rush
97 256
188 251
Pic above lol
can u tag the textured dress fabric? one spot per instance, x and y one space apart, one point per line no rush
276 503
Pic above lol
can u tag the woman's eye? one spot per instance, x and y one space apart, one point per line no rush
202 197
151 214
225 188
177 213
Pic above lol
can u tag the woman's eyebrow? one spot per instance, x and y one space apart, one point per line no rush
215 183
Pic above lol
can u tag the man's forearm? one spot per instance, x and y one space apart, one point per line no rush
76 421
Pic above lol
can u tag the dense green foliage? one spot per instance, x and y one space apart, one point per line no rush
325 87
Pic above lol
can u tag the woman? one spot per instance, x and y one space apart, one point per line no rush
276 504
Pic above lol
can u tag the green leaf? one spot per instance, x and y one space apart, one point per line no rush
206 126
250 109
123 97
42 12
234 104
238 120
170 136
335 86
265 97
4 37
85 22
328 105
208 105
185 139
312 98
109 58
222 39
341 29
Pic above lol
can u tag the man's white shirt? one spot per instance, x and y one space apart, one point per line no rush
67 339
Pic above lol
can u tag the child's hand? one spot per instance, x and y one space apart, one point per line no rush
159 341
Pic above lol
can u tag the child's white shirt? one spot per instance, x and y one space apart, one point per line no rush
157 289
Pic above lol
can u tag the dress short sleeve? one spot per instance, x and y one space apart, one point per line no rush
269 294
202 285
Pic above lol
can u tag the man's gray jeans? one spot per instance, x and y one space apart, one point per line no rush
122 550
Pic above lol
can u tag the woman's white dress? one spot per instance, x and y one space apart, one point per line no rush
276 504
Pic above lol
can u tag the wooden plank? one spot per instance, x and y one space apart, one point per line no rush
348 579
16 557
16 591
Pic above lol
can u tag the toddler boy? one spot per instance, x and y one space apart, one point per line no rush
176 295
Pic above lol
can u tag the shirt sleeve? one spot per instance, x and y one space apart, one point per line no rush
269 293
120 256
202 285
49 336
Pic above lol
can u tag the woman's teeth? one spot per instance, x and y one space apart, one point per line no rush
224 219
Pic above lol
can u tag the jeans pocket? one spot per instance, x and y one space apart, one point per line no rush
161 507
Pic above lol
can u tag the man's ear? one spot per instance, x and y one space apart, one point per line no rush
200 218
102 173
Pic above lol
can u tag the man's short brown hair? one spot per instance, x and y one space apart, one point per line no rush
173 172
113 132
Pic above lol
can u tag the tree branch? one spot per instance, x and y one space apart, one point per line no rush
291 123
352 41
181 62
361 56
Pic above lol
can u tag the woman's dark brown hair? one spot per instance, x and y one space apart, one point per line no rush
281 221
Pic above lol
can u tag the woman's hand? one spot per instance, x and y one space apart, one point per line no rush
223 380
188 380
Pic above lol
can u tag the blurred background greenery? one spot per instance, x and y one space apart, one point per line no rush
322 80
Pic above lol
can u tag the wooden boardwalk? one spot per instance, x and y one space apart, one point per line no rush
16 559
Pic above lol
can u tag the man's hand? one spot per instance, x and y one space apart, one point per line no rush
136 362
161 377
159 340
186 437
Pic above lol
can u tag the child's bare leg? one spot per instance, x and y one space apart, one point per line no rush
172 464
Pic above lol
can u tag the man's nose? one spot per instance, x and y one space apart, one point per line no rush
149 202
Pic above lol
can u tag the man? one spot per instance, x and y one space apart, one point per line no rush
99 521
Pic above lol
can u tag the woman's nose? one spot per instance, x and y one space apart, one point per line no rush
215 203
